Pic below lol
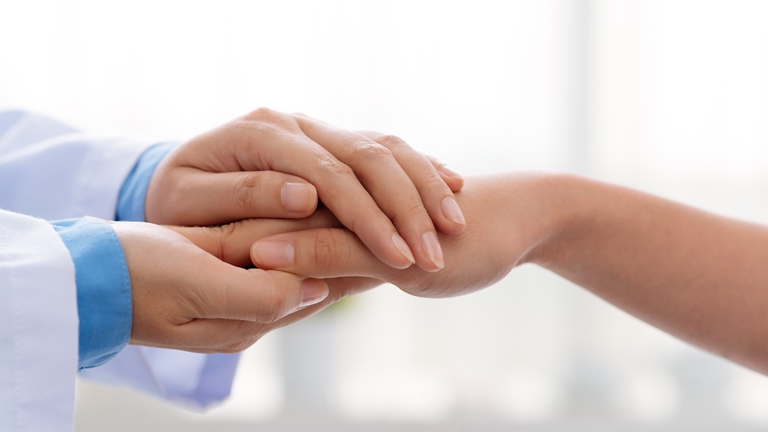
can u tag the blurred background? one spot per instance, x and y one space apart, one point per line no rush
670 97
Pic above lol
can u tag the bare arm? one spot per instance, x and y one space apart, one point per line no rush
701 277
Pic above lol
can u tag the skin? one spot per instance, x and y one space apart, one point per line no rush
188 289
191 293
693 274
277 165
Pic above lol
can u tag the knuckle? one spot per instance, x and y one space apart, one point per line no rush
273 308
432 180
414 207
224 233
370 152
391 141
335 167
175 204
409 209
327 254
215 234
262 113
247 193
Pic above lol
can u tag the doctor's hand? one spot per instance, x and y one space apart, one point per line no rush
185 297
506 219
276 165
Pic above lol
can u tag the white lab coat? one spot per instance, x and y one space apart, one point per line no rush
51 171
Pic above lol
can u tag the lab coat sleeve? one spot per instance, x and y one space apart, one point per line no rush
52 171
38 327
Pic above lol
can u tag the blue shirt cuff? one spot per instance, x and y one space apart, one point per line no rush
133 193
104 302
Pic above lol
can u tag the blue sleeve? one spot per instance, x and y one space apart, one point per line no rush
104 303
133 193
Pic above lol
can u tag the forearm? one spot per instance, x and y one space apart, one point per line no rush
698 276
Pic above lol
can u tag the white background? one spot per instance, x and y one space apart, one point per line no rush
670 97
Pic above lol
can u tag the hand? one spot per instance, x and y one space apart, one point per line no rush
696 275
506 219
186 297
256 166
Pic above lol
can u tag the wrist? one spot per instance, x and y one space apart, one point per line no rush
563 204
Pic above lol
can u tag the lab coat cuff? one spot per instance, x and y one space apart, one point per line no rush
104 300
133 193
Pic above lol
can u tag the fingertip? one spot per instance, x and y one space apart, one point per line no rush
273 254
452 211
447 216
403 248
391 249
299 199
313 291
455 183
432 251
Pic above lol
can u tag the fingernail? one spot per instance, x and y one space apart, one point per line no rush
452 211
432 249
297 197
402 246
273 254
313 291
449 172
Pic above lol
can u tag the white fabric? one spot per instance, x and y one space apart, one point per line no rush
38 327
62 173
50 171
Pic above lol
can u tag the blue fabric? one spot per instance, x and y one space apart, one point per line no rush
104 302
130 203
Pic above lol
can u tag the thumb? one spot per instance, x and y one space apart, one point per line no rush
322 252
214 198
261 296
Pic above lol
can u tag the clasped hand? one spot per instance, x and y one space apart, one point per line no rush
191 286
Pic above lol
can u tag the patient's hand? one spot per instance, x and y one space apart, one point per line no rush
272 164
505 221
697 275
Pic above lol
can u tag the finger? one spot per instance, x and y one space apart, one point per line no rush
211 336
230 336
232 242
257 295
214 198
387 182
321 253
435 193
453 179
291 151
